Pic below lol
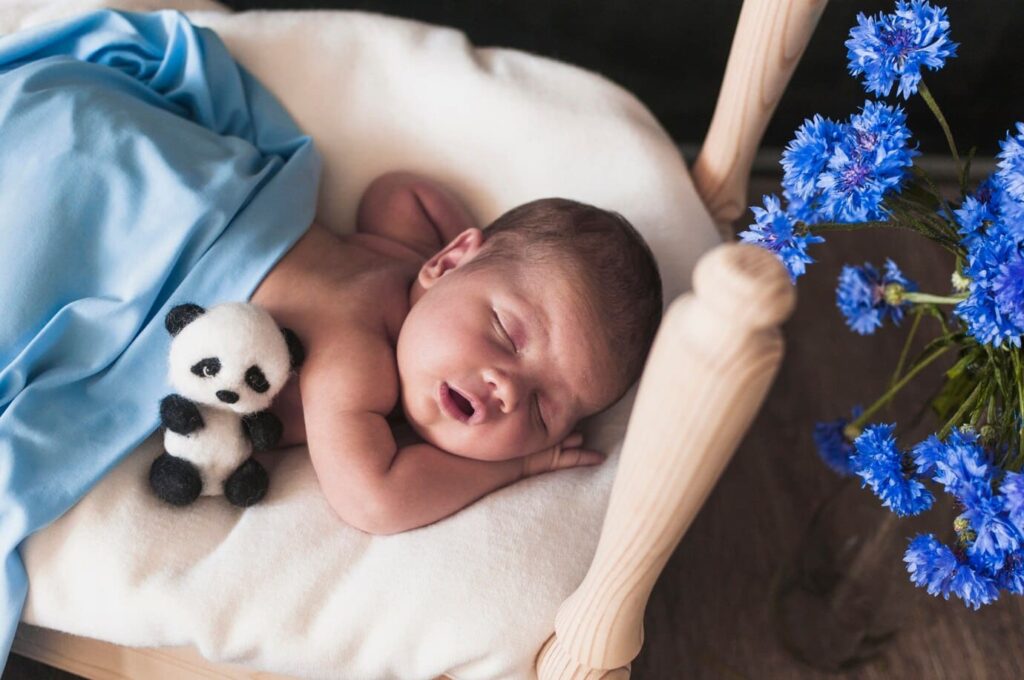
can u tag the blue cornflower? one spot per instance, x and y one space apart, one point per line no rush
1011 576
994 534
1001 206
963 467
801 210
960 464
871 159
806 156
775 230
933 566
990 203
897 45
880 465
1012 489
994 308
865 298
1011 214
1008 289
930 564
833 446
973 216
973 587
1011 163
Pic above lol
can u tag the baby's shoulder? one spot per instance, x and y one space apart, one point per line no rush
350 367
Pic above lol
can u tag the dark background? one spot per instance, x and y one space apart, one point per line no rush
672 54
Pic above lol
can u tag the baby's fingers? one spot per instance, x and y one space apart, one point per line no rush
577 458
572 441
559 458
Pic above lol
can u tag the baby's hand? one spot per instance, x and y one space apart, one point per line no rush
564 455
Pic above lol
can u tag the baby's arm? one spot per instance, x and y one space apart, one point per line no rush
371 483
414 210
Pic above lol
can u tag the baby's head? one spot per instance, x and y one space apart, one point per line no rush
517 332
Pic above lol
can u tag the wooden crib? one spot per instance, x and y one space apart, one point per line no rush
713 360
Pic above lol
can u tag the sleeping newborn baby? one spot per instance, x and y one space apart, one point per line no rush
491 345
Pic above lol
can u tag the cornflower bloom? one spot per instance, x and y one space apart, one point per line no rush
806 156
994 308
933 566
896 46
833 445
866 298
1011 163
870 160
774 229
879 463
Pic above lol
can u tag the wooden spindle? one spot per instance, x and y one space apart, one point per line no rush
712 362
770 39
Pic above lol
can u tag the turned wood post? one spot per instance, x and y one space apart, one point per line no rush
712 362
770 39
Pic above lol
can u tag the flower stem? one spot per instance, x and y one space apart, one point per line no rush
964 407
933 105
927 297
854 226
918 313
891 392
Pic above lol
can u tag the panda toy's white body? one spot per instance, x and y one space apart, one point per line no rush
227 365
217 450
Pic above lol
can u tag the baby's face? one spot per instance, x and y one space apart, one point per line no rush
497 362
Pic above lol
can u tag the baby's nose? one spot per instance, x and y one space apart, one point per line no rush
504 389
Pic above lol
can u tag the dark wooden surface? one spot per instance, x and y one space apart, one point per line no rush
709 614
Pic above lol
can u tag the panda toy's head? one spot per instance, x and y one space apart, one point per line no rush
231 356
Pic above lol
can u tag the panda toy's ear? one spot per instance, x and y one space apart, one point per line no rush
181 316
296 352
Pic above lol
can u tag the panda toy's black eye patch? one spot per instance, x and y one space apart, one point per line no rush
255 379
207 368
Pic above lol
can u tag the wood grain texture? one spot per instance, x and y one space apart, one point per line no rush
715 354
104 661
709 615
770 38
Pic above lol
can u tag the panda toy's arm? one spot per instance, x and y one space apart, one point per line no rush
180 415
264 430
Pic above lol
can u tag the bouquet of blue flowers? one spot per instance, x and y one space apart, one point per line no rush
861 174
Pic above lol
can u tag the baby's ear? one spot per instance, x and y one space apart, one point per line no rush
457 252
296 352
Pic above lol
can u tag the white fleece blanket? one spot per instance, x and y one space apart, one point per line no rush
285 586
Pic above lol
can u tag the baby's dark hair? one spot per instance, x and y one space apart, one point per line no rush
611 267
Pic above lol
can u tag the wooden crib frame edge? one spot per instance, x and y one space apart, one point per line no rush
716 352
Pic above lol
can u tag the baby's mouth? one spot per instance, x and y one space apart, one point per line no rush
456 404
462 403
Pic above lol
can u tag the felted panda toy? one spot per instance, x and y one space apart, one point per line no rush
227 364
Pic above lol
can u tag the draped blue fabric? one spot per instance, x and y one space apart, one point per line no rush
140 167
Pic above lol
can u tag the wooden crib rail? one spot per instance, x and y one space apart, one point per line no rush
770 39
712 362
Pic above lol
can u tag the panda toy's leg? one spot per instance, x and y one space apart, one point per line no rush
175 480
247 485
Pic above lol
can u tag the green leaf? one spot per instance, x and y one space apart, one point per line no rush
952 395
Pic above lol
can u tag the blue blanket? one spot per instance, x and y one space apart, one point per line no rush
140 167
